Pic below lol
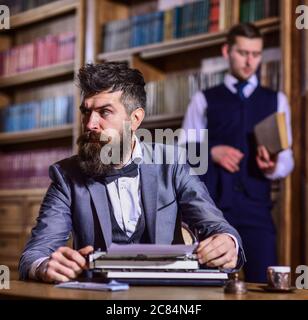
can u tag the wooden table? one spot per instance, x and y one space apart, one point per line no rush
34 290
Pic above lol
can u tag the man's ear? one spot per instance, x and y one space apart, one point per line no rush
136 118
225 51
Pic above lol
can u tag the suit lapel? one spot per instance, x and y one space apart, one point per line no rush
148 180
100 201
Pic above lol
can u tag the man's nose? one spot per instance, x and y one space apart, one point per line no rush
249 59
93 122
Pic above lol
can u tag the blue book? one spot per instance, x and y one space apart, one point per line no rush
158 27
177 23
71 109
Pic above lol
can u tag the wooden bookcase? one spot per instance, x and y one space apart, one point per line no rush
19 207
304 38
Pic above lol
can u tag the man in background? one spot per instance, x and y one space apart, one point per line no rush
240 172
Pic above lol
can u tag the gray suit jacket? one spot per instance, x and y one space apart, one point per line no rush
75 204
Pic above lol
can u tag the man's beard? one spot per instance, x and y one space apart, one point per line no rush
89 153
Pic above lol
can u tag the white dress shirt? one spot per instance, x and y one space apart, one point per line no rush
195 118
125 197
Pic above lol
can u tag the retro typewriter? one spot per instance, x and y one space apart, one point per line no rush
151 264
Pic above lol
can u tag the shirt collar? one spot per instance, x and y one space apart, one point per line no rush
230 81
137 155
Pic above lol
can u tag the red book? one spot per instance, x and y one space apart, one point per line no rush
214 16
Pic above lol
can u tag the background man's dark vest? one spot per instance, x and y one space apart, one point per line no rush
231 122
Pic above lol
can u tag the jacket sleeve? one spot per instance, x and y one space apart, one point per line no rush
198 209
53 225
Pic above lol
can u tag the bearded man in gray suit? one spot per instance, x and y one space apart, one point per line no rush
129 201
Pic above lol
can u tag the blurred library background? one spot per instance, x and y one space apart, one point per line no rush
177 46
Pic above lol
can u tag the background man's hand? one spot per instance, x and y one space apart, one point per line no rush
227 157
265 161
64 264
218 250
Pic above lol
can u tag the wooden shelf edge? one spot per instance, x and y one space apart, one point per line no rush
38 74
22 192
10 231
10 262
183 44
162 121
36 134
42 13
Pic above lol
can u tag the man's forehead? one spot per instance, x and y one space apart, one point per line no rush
102 98
254 44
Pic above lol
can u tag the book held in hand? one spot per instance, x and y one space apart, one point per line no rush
271 132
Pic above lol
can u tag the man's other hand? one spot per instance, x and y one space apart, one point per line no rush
227 157
64 264
218 250
265 161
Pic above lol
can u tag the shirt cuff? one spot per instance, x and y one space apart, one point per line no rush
275 174
34 266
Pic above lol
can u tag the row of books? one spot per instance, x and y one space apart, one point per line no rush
181 21
220 11
253 10
45 113
270 75
177 21
173 94
270 71
17 6
29 169
43 51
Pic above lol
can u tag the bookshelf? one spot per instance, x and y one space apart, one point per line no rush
42 73
304 40
36 135
158 60
183 45
43 80
42 12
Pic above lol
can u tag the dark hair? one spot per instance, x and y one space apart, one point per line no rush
111 77
247 30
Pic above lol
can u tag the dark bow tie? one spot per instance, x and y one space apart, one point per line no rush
240 88
130 170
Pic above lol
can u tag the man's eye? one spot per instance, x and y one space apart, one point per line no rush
84 111
242 53
104 112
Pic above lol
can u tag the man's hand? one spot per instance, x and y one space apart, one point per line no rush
218 250
227 157
64 264
265 161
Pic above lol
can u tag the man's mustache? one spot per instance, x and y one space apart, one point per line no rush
93 137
